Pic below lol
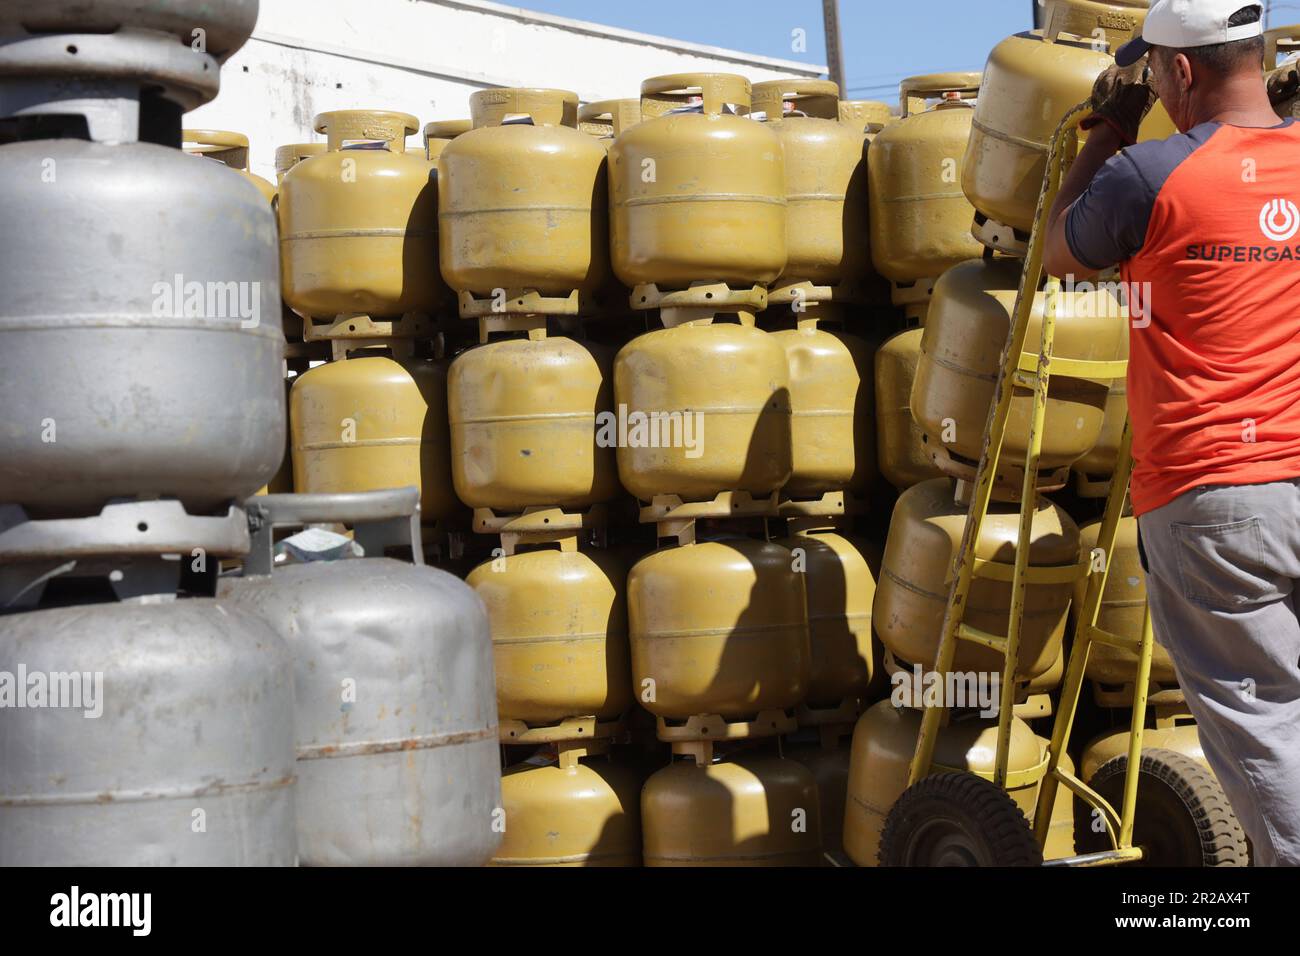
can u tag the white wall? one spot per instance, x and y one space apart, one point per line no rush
426 56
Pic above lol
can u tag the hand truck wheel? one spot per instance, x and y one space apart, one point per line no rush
957 819
1182 816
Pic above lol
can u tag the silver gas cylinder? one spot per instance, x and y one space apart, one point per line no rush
138 726
141 349
396 699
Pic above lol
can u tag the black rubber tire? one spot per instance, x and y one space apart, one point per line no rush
1182 816
957 819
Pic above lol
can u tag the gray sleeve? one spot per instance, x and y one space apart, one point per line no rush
1108 223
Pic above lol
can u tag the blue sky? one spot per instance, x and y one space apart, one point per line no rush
884 40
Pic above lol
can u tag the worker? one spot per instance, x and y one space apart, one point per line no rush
1205 226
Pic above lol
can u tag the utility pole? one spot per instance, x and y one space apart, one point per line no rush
834 49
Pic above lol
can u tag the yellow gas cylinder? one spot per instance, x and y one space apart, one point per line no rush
718 627
358 224
704 408
925 534
570 806
558 619
870 116
1092 471
900 448
227 148
961 355
1030 81
747 810
832 411
839 589
884 741
605 119
697 193
438 133
1123 605
1060 835
1179 735
297 353
824 751
825 192
920 219
525 414
291 154
521 202
373 420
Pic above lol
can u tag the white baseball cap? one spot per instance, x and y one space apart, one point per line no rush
1189 23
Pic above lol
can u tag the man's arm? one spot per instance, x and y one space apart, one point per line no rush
1058 259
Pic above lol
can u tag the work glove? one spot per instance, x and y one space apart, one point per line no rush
1121 99
1283 88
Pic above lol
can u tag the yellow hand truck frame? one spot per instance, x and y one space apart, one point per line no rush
1033 370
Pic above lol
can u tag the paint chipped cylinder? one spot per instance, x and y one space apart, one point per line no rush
532 424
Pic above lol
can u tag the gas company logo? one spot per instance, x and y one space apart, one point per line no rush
1279 220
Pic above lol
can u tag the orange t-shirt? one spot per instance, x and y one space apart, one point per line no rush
1206 228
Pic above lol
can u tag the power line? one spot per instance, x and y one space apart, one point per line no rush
897 78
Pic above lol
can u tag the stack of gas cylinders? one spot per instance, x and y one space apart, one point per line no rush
182 687
690 390
523 242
